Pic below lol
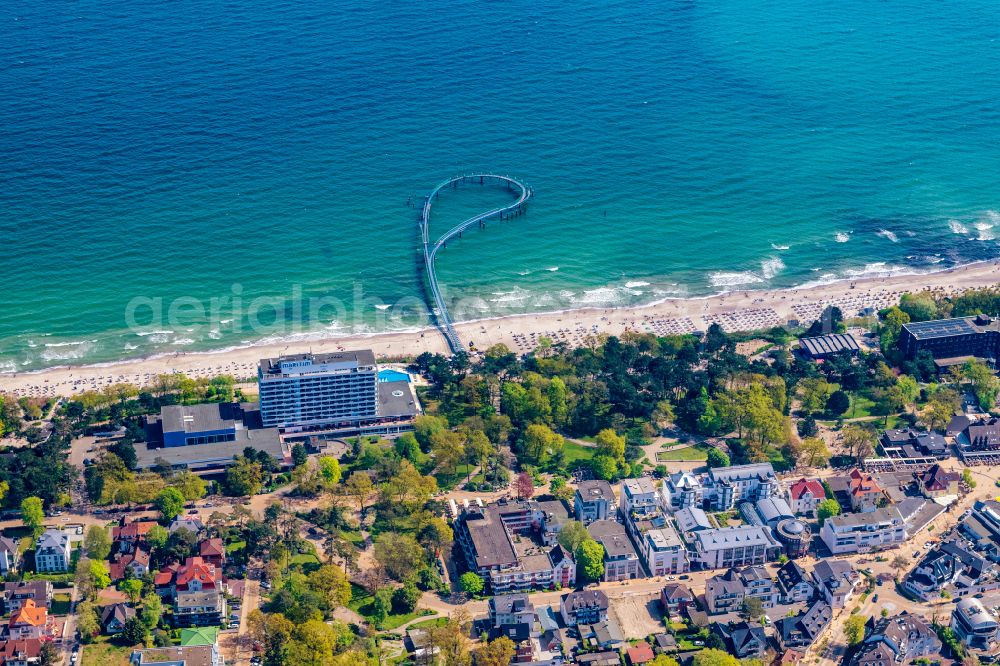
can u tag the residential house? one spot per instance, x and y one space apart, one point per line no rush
30 621
757 583
639 497
202 608
876 653
805 495
675 598
724 593
114 617
974 625
16 593
594 500
908 636
197 575
10 558
190 523
213 551
607 658
801 630
179 655
621 562
743 639
638 654
136 563
794 584
127 535
52 552
936 481
604 635
690 520
508 609
584 607
21 653
865 493
724 487
946 567
664 643
835 580
682 490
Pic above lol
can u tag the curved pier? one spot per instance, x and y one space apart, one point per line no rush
430 250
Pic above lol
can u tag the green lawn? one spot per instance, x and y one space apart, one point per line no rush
235 546
860 407
573 451
688 453
61 604
429 624
361 603
104 653
304 558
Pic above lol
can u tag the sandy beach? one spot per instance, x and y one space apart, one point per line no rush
734 311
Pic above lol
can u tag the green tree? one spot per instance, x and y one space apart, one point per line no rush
33 515
590 559
752 608
381 607
244 477
984 381
359 486
152 608
329 470
540 444
132 588
813 452
827 509
838 403
919 307
99 576
717 458
135 632
967 478
713 657
664 660
498 652
87 621
400 554
157 537
604 467
299 454
572 534
611 444
192 486
170 503
97 542
471 583
854 629
405 598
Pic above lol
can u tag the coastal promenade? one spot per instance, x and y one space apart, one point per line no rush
740 310
438 305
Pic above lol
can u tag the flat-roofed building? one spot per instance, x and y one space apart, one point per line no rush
734 546
318 390
863 532
960 338
621 562
594 500
205 438
639 497
825 346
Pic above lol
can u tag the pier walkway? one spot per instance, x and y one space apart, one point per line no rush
431 249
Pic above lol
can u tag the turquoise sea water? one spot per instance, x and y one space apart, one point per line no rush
203 150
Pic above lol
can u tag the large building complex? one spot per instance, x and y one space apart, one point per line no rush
331 392
951 341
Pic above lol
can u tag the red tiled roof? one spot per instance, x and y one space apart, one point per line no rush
863 484
29 648
813 486
196 568
212 548
136 530
30 614
640 654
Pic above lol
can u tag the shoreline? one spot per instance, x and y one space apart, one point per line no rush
734 310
